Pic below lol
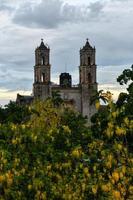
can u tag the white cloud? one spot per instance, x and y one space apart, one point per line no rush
113 88
6 96
107 24
51 14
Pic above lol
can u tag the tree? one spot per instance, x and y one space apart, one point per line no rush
99 96
54 155
126 99
14 113
56 98
43 158
122 109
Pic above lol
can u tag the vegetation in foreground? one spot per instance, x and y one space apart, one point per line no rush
51 154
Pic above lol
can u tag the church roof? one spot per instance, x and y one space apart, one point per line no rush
42 45
24 96
87 45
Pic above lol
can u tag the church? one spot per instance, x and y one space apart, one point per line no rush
78 96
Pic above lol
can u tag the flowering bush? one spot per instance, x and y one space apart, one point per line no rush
55 155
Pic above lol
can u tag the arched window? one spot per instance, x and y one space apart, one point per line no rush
89 78
89 60
43 78
43 61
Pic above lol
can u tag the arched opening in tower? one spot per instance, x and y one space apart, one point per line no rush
89 60
89 78
43 61
43 78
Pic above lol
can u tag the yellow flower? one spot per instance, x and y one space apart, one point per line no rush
83 186
109 132
29 187
23 170
112 181
123 169
66 129
76 153
115 176
119 146
110 125
116 195
86 171
94 168
44 196
110 157
105 188
97 104
23 126
5 161
126 121
34 137
2 178
9 181
9 177
13 127
131 189
17 161
121 175
49 167
58 176
94 189
114 114
66 165
14 141
122 189
109 164
120 131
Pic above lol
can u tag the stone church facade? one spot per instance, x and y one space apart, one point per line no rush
78 96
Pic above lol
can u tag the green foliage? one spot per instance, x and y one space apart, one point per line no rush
14 113
56 98
123 108
99 96
126 99
54 155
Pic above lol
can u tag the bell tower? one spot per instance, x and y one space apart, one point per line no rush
42 71
87 73
87 64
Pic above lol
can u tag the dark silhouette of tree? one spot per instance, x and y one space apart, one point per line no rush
100 95
56 98
14 113
126 98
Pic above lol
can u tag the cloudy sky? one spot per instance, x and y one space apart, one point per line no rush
64 25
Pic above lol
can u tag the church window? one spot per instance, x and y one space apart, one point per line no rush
89 61
43 61
89 78
43 78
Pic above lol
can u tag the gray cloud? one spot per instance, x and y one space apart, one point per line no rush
120 0
51 14
15 81
96 8
4 6
65 28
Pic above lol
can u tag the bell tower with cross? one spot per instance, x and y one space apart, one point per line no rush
42 71
87 73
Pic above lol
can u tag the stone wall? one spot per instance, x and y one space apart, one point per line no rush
73 93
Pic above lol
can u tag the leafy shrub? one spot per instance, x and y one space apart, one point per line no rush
49 157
